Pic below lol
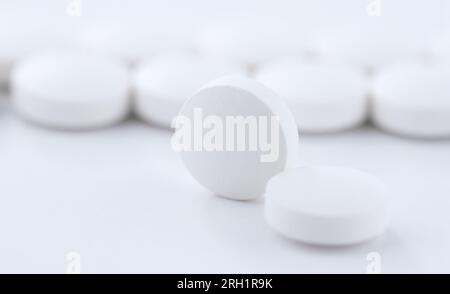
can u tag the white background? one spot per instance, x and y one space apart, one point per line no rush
122 199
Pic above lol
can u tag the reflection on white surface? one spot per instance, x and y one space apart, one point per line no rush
122 199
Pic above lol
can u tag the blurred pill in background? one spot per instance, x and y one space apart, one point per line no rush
369 47
131 40
251 41
322 97
413 100
162 84
70 90
22 35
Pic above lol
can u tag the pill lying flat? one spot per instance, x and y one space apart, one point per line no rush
329 206
70 90
413 101
323 98
161 85
235 134
250 41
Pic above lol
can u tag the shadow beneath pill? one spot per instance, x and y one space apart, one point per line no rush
150 124
337 133
157 126
4 105
47 128
394 135
416 139
388 241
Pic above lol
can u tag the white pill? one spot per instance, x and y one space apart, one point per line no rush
71 90
327 206
413 101
323 98
367 47
163 84
250 41
249 135
22 34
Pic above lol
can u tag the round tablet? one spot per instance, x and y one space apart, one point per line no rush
329 206
323 98
72 90
413 101
236 135
250 41
367 47
163 84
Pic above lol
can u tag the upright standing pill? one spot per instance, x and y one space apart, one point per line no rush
323 98
71 90
163 84
328 206
413 100
234 135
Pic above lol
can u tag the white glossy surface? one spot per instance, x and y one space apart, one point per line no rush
124 201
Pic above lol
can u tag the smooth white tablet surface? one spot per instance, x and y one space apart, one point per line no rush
163 84
413 101
235 173
67 89
367 47
323 98
251 41
329 206
130 40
